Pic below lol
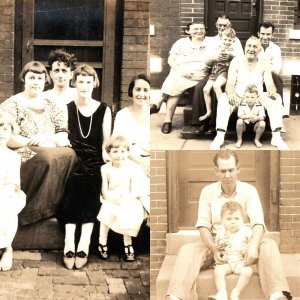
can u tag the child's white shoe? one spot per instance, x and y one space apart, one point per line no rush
218 141
221 295
234 295
278 142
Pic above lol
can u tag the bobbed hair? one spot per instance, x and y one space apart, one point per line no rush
35 67
133 80
85 70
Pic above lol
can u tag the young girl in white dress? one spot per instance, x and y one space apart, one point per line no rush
121 210
12 199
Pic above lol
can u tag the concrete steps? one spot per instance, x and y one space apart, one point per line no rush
205 282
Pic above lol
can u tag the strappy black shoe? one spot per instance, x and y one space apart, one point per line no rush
129 253
103 252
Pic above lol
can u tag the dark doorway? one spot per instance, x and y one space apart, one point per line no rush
245 16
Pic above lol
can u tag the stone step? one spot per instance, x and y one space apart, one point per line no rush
205 281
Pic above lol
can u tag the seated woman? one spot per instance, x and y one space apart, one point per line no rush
133 122
42 131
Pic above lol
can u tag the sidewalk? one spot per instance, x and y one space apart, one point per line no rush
41 275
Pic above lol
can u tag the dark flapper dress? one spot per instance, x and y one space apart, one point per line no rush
81 200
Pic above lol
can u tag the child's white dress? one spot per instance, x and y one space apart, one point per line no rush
11 203
126 217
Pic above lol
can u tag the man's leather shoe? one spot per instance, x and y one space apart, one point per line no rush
166 128
154 109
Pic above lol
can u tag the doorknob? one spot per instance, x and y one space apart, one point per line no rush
28 46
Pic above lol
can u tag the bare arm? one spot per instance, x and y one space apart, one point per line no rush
210 244
106 131
252 251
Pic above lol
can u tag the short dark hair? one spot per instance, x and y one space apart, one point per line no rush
231 207
85 70
267 25
61 55
35 67
225 154
116 142
134 79
224 17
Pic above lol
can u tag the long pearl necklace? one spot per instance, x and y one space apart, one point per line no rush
80 129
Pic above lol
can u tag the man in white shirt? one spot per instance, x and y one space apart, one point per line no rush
271 53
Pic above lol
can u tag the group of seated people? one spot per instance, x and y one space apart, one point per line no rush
219 63
59 150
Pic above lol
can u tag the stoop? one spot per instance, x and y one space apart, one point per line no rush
205 282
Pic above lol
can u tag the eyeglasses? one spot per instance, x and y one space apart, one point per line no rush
222 25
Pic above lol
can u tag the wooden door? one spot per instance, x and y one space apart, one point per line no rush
89 29
190 171
245 16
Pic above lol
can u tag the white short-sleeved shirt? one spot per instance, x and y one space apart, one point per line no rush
212 198
256 110
272 54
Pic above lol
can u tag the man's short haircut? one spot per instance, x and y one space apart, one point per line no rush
133 80
267 25
116 142
224 17
231 207
225 154
85 70
35 67
230 32
61 55
251 88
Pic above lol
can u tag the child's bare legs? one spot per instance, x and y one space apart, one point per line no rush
220 81
102 247
240 128
259 129
220 273
206 92
6 259
129 252
244 278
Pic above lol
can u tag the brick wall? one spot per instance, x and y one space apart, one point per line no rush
6 48
289 220
158 215
135 42
165 16
281 13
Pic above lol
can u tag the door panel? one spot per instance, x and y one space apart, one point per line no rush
195 170
245 16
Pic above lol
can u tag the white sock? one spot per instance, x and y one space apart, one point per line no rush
220 135
276 134
276 295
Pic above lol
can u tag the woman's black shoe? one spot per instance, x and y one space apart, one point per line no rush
166 128
154 109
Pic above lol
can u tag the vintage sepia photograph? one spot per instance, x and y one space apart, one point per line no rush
224 74
74 149
224 225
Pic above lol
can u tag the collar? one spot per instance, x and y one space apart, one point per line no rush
221 194
271 45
